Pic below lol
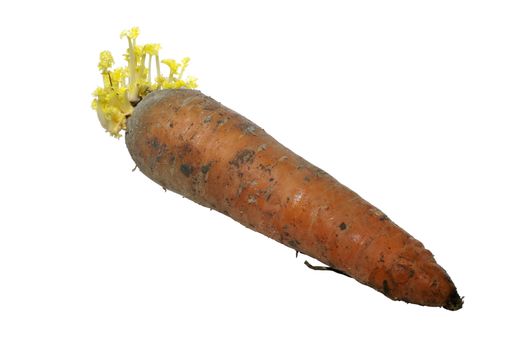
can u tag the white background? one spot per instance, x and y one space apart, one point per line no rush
416 105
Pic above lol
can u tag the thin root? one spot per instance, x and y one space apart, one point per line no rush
324 268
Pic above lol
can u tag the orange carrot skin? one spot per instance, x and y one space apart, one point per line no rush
192 145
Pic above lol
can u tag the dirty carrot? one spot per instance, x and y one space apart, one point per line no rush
191 144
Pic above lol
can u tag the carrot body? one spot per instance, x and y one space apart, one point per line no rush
191 144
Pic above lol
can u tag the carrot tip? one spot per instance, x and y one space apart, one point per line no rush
454 301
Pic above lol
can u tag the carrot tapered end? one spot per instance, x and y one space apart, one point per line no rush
454 301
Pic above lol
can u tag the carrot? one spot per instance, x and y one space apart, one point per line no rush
190 144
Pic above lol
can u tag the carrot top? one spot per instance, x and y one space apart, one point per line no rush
124 87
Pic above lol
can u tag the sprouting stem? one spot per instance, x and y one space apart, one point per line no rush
124 87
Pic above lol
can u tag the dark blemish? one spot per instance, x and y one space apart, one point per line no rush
293 244
207 119
185 150
343 226
271 179
172 160
381 216
208 106
264 168
288 199
155 143
406 268
248 128
306 178
220 122
262 147
242 157
206 168
320 172
170 124
240 189
186 169
382 258
161 151
386 289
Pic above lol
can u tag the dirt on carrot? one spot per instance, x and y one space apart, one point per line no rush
191 144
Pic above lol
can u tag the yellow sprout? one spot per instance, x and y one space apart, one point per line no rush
172 64
124 87
131 33
151 49
106 61
185 63
191 82
118 76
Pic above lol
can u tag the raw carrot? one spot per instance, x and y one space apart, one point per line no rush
192 145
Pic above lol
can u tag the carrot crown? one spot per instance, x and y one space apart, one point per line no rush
124 87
